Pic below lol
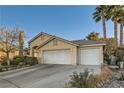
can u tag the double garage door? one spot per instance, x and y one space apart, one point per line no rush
88 56
57 57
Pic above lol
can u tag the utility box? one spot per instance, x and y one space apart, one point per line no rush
121 65
113 60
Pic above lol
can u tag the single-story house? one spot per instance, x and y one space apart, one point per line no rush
51 49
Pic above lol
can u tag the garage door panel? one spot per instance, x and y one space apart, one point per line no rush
90 56
56 57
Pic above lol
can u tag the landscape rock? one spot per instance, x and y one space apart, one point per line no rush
114 82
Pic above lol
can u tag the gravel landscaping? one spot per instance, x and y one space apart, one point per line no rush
114 82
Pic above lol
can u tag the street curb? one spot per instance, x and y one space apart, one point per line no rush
20 69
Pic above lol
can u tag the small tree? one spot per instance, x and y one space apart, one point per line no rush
9 41
93 36
108 49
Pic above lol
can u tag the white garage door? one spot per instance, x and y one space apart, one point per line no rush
90 57
57 57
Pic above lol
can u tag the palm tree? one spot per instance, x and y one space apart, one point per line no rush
93 36
121 31
21 42
115 13
121 35
121 21
102 13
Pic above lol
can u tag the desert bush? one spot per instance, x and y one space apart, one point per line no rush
105 75
82 80
108 49
119 53
88 80
121 78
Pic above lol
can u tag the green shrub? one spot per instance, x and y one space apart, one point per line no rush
24 60
17 60
4 63
3 60
31 60
83 80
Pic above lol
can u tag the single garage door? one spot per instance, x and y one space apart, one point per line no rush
90 56
57 57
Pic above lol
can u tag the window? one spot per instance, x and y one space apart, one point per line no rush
54 42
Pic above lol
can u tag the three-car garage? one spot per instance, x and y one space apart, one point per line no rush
51 49
60 51
87 56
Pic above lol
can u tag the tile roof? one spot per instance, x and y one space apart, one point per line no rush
87 42
74 42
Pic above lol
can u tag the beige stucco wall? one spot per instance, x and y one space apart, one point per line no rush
75 51
37 42
60 45
100 47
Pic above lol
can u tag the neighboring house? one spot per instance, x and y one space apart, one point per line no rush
50 49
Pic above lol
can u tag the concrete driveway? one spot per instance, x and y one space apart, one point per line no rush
41 76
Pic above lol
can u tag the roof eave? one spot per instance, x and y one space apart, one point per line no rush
93 45
38 36
34 37
45 42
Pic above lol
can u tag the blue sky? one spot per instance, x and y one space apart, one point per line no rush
69 22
